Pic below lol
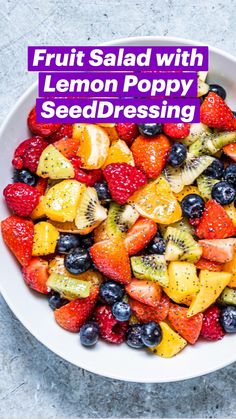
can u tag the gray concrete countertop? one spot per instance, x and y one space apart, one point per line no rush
33 381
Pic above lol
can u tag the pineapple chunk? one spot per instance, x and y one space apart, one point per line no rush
171 343
231 268
61 200
211 286
183 282
53 165
45 239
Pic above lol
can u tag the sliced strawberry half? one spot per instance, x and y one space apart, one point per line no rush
221 250
36 275
188 327
209 265
147 292
145 313
139 235
215 223
216 114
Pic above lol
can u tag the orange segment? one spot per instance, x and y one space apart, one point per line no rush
157 202
119 152
94 147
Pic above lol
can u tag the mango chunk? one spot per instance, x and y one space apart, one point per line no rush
183 282
171 343
231 268
45 239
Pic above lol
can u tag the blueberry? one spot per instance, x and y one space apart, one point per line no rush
77 261
157 245
151 334
102 192
177 154
192 206
55 301
89 333
24 176
67 242
111 292
230 174
215 170
219 90
150 130
228 319
121 311
234 113
223 193
87 241
133 336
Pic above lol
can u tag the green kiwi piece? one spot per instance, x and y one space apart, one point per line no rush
211 144
181 246
228 297
69 288
205 185
150 267
174 177
222 139
197 131
193 168
120 218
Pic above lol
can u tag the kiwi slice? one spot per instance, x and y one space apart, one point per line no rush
69 288
183 225
228 297
173 176
212 144
120 219
90 213
222 139
181 246
150 267
197 131
205 185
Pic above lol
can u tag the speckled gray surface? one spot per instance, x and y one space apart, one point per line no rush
33 381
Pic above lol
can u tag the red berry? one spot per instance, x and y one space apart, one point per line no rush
89 177
215 223
209 265
18 235
111 329
194 221
40 128
216 114
146 313
36 275
127 132
211 328
21 198
28 153
123 180
65 131
176 131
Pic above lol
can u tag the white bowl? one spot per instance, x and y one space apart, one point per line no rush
119 362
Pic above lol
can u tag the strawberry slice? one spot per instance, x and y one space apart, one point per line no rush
68 147
41 185
150 154
40 128
216 114
188 327
36 275
209 265
145 313
230 150
18 235
111 258
221 250
73 315
147 292
215 223
176 131
139 235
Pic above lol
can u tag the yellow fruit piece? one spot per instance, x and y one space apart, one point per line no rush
61 200
211 286
94 146
231 211
90 213
107 125
66 227
45 239
53 165
57 266
157 202
112 133
100 232
231 268
119 152
183 282
39 211
171 343
186 191
77 130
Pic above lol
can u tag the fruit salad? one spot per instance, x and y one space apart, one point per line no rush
130 230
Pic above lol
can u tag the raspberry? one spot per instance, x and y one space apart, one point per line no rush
127 132
211 328
111 329
28 153
176 131
21 198
64 131
40 128
123 180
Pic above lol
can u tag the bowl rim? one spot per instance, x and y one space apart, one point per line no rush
5 295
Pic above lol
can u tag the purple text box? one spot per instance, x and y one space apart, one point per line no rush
156 84
193 58
87 110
